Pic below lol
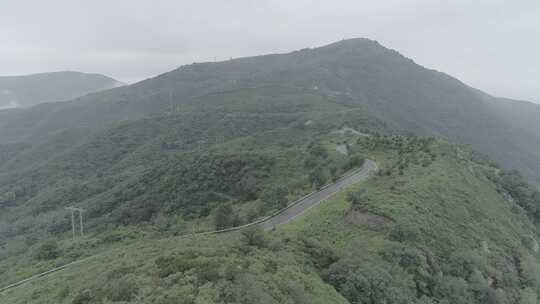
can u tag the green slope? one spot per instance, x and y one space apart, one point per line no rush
179 163
435 229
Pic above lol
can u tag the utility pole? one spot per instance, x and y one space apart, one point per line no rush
81 223
72 222
73 210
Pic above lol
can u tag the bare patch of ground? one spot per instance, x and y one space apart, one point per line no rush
341 148
346 130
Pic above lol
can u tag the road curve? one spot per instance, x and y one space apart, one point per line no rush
313 199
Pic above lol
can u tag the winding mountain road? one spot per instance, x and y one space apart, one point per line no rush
304 204
284 216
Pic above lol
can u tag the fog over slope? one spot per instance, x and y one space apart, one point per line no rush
29 90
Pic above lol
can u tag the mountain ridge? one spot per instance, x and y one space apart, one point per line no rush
33 89
356 73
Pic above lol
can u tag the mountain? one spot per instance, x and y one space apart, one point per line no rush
92 149
216 145
30 90
357 73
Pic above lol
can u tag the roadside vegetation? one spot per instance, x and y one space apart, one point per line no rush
436 225
196 190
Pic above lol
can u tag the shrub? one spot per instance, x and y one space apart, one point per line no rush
64 292
464 264
118 234
207 271
317 178
361 280
318 150
275 197
83 297
321 254
403 233
354 161
334 173
254 236
527 296
231 272
224 216
452 289
168 265
357 199
310 162
48 251
124 289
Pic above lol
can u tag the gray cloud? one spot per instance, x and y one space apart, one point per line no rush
489 44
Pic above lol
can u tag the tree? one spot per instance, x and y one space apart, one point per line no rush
248 187
402 233
322 254
124 289
254 236
318 150
275 197
354 161
334 173
480 287
369 281
357 199
467 264
83 297
425 300
311 162
48 251
452 289
317 178
224 216
527 296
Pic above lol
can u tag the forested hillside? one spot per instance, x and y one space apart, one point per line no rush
180 163
354 73
438 223
217 145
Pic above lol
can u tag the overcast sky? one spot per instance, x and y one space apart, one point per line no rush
493 45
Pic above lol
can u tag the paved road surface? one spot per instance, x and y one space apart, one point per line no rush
316 198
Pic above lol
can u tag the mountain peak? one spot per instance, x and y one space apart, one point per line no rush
356 42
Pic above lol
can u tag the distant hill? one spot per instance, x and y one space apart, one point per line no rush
29 90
